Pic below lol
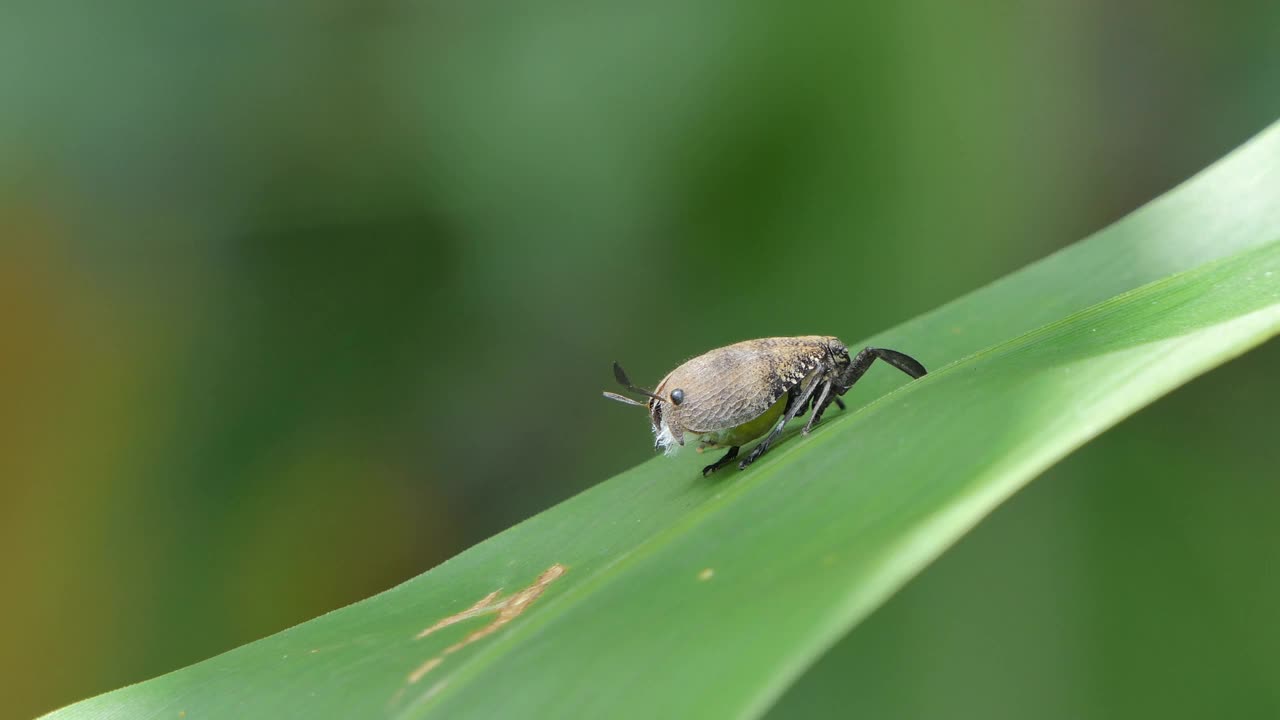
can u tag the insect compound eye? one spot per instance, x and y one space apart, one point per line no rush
677 396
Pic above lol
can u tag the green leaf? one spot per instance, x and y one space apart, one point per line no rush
662 594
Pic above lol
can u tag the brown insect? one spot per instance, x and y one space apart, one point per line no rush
730 396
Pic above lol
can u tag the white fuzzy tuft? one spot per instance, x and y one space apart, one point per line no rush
666 440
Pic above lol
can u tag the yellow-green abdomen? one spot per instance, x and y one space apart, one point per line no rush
749 430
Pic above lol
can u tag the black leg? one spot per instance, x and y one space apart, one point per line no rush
817 414
905 363
792 396
863 360
763 446
857 367
728 457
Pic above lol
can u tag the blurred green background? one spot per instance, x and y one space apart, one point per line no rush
298 300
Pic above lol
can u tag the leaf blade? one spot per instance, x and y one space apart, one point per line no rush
796 531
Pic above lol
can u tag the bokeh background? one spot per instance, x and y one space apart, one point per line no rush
299 299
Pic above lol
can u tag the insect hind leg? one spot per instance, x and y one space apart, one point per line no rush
866 356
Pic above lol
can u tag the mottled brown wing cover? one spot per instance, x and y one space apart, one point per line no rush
729 386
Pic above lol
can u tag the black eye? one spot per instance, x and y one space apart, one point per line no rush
677 396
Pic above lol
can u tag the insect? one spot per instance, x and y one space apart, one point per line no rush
732 395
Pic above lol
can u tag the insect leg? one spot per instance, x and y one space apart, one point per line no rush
819 404
728 457
902 361
792 409
863 360
817 415
793 397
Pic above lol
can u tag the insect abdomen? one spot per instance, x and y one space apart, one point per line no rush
749 430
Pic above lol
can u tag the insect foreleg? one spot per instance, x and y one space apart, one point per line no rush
728 458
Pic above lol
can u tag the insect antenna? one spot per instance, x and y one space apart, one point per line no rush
622 399
624 381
